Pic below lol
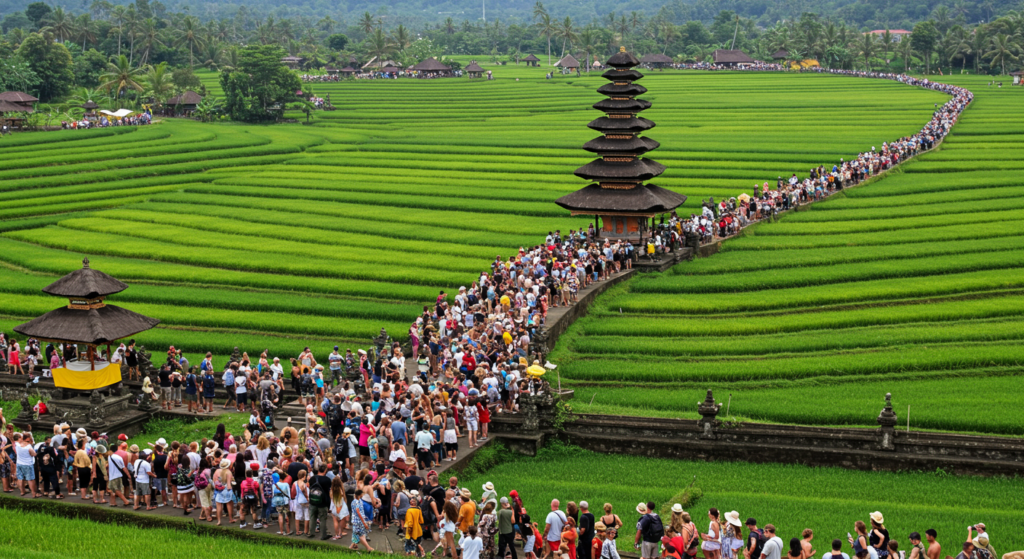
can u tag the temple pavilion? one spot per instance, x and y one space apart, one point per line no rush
620 200
86 320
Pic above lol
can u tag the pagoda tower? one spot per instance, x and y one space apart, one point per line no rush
620 200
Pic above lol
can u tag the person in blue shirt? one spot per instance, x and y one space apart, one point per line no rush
191 391
209 387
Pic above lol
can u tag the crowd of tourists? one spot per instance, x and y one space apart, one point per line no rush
727 217
366 480
325 78
104 121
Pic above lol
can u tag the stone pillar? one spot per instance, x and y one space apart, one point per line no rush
708 411
887 429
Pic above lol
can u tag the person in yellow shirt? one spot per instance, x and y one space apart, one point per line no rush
467 512
506 302
414 529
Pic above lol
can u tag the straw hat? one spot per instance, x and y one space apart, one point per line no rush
100 449
733 518
81 432
133 448
225 464
599 526
877 517
467 493
677 508
410 460
488 486
641 508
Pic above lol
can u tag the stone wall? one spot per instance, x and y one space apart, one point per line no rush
884 448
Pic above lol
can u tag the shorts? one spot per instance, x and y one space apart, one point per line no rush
116 485
84 476
553 546
204 498
176 393
364 451
302 511
26 473
99 483
158 484
224 496
282 511
308 393
412 544
241 398
472 425
451 447
649 550
165 393
528 546
190 397
141 489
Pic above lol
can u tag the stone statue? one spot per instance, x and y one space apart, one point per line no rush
96 399
96 417
887 425
145 361
26 409
236 356
708 411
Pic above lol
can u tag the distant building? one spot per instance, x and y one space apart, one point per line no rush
293 62
897 34
531 60
733 58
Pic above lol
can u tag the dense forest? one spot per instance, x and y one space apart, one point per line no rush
145 51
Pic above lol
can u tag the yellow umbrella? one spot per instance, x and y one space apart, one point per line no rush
744 197
536 370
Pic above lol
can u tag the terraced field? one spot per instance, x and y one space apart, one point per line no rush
912 285
278 236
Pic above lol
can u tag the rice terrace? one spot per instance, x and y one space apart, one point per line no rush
336 258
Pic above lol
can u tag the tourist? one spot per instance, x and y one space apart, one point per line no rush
755 540
117 478
773 545
251 497
837 549
934 548
83 467
339 508
553 524
861 540
649 531
471 545
608 549
223 496
712 544
413 523
448 526
281 501
879 536
319 502
362 516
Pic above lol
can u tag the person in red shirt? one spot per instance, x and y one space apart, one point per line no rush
485 417
598 542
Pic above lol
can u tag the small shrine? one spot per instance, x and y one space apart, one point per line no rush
86 320
622 204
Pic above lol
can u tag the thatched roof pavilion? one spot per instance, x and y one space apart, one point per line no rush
86 320
531 60
474 70
656 60
430 66
620 200
568 61
726 57
781 54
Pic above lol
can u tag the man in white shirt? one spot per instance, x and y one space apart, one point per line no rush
277 371
773 547
116 479
837 551
143 468
553 528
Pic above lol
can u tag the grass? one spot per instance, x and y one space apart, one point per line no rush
792 497
907 285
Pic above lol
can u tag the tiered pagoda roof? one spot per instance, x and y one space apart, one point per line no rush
87 319
621 171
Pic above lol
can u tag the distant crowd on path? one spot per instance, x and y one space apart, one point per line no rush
380 75
726 218
305 484
104 121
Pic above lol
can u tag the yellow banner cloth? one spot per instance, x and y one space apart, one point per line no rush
87 380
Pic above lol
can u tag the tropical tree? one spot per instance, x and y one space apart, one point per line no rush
867 48
402 38
906 51
886 44
449 26
924 38
118 15
1003 49
149 39
121 77
60 23
566 32
589 41
190 35
85 30
158 82
544 25
367 23
979 42
379 45
208 108
211 55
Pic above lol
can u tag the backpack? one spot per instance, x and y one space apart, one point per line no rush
317 496
654 530
334 414
428 511
249 496
202 482
761 540
181 478
341 450
307 381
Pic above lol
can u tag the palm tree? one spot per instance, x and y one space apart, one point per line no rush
589 41
149 39
866 47
622 26
402 38
158 82
379 45
886 44
60 23
284 30
118 15
1003 50
449 26
120 77
367 23
567 33
547 29
131 25
326 24
85 30
189 35
978 43
230 59
961 50
906 52
669 33
212 54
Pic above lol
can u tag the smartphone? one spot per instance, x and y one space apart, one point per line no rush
849 536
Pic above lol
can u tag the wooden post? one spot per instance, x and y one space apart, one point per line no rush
92 358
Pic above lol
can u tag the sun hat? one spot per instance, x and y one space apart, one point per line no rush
599 526
877 517
100 449
410 460
81 432
161 441
414 493
64 427
133 448
466 493
347 431
225 464
677 508
733 518
641 508
488 486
